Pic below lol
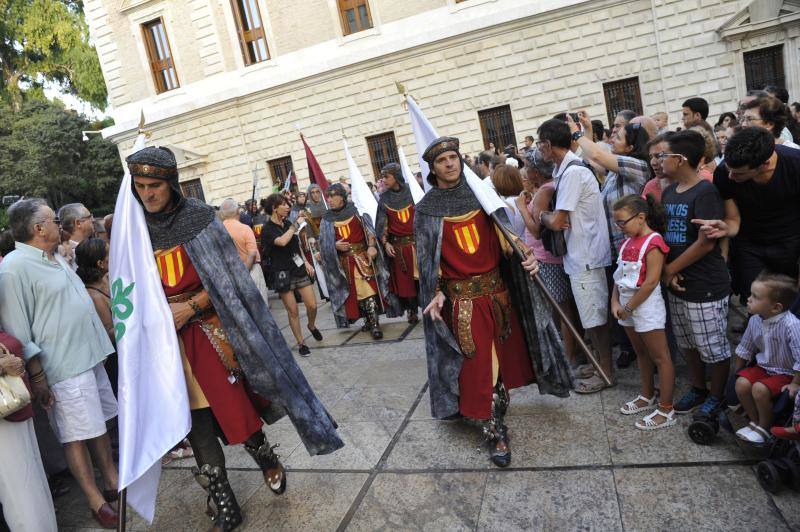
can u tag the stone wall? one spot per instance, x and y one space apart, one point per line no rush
540 65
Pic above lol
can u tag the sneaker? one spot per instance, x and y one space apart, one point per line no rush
316 334
304 350
709 406
690 401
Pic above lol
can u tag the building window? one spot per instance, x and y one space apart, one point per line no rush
279 170
355 16
621 95
764 67
497 127
193 189
250 29
160 56
382 151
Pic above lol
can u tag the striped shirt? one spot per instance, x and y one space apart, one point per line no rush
633 174
775 342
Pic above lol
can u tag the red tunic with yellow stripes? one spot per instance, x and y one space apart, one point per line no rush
213 377
400 234
479 313
356 265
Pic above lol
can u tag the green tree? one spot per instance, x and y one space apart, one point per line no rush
47 41
42 154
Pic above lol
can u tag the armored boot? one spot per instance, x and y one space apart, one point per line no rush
271 467
496 431
225 512
362 309
371 305
411 313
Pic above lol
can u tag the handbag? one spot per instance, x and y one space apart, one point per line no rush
282 281
14 394
554 241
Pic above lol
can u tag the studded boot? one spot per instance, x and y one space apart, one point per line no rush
225 513
372 314
271 467
496 431
362 309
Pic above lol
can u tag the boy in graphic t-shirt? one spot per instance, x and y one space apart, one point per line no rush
696 273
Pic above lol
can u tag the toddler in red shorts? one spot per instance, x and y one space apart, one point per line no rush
773 338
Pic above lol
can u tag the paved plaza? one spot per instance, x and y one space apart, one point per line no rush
578 464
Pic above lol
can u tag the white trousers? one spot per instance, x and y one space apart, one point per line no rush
24 493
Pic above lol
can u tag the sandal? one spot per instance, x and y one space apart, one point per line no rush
583 371
648 422
591 385
632 407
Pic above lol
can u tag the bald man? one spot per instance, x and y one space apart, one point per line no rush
242 235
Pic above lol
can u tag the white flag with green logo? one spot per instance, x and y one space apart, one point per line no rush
153 402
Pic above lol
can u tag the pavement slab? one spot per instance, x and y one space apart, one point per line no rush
578 463
421 501
550 500
717 497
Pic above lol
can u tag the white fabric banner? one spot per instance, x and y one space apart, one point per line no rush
153 401
363 199
416 191
424 134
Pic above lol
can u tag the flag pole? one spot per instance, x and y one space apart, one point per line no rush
538 280
123 510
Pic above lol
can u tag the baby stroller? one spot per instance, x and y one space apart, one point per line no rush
782 468
705 425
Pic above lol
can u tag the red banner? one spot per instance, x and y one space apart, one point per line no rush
314 170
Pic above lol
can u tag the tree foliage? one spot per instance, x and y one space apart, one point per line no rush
42 154
47 41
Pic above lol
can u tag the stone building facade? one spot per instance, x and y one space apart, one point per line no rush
481 70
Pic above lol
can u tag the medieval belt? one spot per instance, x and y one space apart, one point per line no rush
396 240
186 296
462 292
182 298
356 248
480 285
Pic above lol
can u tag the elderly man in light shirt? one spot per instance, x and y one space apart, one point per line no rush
45 305
78 223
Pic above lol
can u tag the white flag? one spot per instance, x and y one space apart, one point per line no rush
416 191
362 196
424 134
153 402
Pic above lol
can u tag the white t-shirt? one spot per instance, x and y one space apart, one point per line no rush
588 245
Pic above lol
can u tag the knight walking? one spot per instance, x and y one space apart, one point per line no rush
394 228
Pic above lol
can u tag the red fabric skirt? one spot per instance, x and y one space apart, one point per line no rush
475 382
402 281
234 406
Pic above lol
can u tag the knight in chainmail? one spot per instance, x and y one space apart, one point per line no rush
355 273
487 328
239 370
394 227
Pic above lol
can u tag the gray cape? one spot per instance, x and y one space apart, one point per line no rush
260 348
546 351
338 287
